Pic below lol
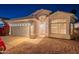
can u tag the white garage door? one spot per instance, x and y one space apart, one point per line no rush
22 31
19 30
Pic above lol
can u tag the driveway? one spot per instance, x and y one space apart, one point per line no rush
24 45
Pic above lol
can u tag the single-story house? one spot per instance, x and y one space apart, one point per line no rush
44 23
4 27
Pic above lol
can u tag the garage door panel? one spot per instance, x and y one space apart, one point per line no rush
19 31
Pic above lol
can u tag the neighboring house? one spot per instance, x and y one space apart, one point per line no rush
44 23
4 27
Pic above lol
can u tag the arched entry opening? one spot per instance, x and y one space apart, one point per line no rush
42 29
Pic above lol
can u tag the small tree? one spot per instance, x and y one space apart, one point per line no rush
74 11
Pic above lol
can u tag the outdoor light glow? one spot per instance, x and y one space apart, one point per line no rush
42 26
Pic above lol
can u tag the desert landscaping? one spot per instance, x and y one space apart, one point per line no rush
24 45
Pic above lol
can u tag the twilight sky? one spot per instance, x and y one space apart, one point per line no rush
21 10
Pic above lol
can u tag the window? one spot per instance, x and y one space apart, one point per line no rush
1 24
59 28
72 28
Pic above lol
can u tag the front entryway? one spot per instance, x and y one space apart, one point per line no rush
42 30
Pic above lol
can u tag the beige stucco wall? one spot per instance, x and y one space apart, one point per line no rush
61 18
61 36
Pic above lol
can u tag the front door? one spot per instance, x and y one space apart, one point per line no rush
42 30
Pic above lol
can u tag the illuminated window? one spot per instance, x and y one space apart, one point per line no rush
58 28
